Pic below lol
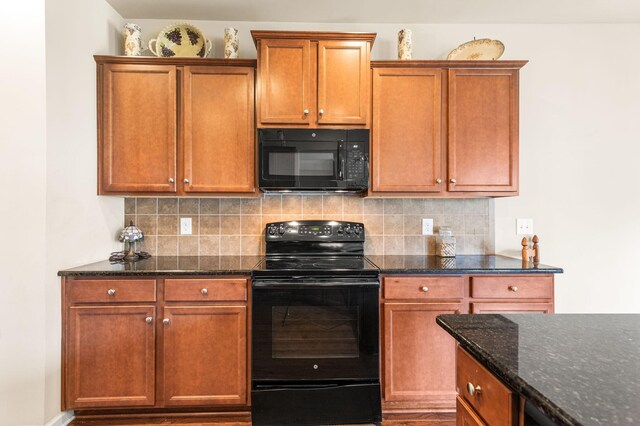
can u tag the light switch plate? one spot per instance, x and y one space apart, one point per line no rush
524 226
185 226
427 226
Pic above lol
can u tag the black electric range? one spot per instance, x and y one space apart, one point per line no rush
315 326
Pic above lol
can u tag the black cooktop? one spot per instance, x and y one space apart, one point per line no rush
315 265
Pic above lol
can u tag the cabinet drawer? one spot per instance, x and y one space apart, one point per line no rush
518 287
205 290
423 288
106 291
494 402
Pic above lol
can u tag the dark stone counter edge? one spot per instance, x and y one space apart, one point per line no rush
153 273
470 271
77 273
514 381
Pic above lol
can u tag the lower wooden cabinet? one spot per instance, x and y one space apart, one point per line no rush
419 356
156 352
205 355
110 356
465 416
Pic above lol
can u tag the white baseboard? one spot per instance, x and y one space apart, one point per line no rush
62 419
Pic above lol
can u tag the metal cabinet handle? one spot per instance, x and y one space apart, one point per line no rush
473 389
305 111
111 291
166 321
425 289
186 180
321 111
513 288
148 320
452 180
171 180
438 180
204 291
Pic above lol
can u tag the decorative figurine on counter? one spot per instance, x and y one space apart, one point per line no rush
531 254
132 40
404 44
129 235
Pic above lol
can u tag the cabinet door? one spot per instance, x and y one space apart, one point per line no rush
406 136
110 357
419 356
343 82
205 355
465 416
483 130
285 90
504 308
218 128
137 110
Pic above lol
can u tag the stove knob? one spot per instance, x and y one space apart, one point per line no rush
272 230
349 230
340 230
281 230
358 230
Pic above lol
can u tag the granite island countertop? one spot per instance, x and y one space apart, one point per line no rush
578 369
229 265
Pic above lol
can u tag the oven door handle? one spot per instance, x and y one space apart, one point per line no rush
308 284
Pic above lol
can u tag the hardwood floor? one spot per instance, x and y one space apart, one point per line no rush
423 419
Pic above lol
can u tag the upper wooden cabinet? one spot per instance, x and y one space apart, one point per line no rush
310 79
175 126
445 128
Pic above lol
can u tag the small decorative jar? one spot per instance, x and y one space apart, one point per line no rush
132 40
404 44
445 243
231 43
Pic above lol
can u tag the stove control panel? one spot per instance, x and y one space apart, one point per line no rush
315 230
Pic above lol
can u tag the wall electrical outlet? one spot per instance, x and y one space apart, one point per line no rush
427 226
524 226
185 226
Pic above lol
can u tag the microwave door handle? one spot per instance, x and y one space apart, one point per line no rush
341 161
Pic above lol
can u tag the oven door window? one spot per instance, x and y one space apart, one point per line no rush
315 333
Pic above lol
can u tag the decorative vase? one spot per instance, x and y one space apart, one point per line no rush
132 40
231 42
404 44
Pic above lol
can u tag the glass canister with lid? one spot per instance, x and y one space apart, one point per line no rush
445 242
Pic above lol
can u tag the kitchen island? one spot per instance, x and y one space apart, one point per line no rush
570 369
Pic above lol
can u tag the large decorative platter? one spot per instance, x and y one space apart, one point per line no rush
482 49
181 39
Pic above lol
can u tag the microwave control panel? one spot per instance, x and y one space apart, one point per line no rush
357 162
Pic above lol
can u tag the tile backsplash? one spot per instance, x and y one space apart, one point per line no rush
233 226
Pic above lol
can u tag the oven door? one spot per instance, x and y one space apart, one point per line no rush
321 331
301 164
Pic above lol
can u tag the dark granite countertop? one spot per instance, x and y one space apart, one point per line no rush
225 265
465 264
579 369
170 265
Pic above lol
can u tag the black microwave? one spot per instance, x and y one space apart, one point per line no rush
313 159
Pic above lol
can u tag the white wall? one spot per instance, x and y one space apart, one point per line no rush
22 213
579 129
81 227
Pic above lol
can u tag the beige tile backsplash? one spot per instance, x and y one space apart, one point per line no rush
232 226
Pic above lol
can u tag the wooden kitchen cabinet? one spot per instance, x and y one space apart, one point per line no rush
445 128
154 343
312 79
205 355
406 134
503 294
171 126
418 363
110 356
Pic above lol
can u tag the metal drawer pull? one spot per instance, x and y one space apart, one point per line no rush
473 389
513 288
166 321
305 111
148 320
111 291
204 291
425 289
